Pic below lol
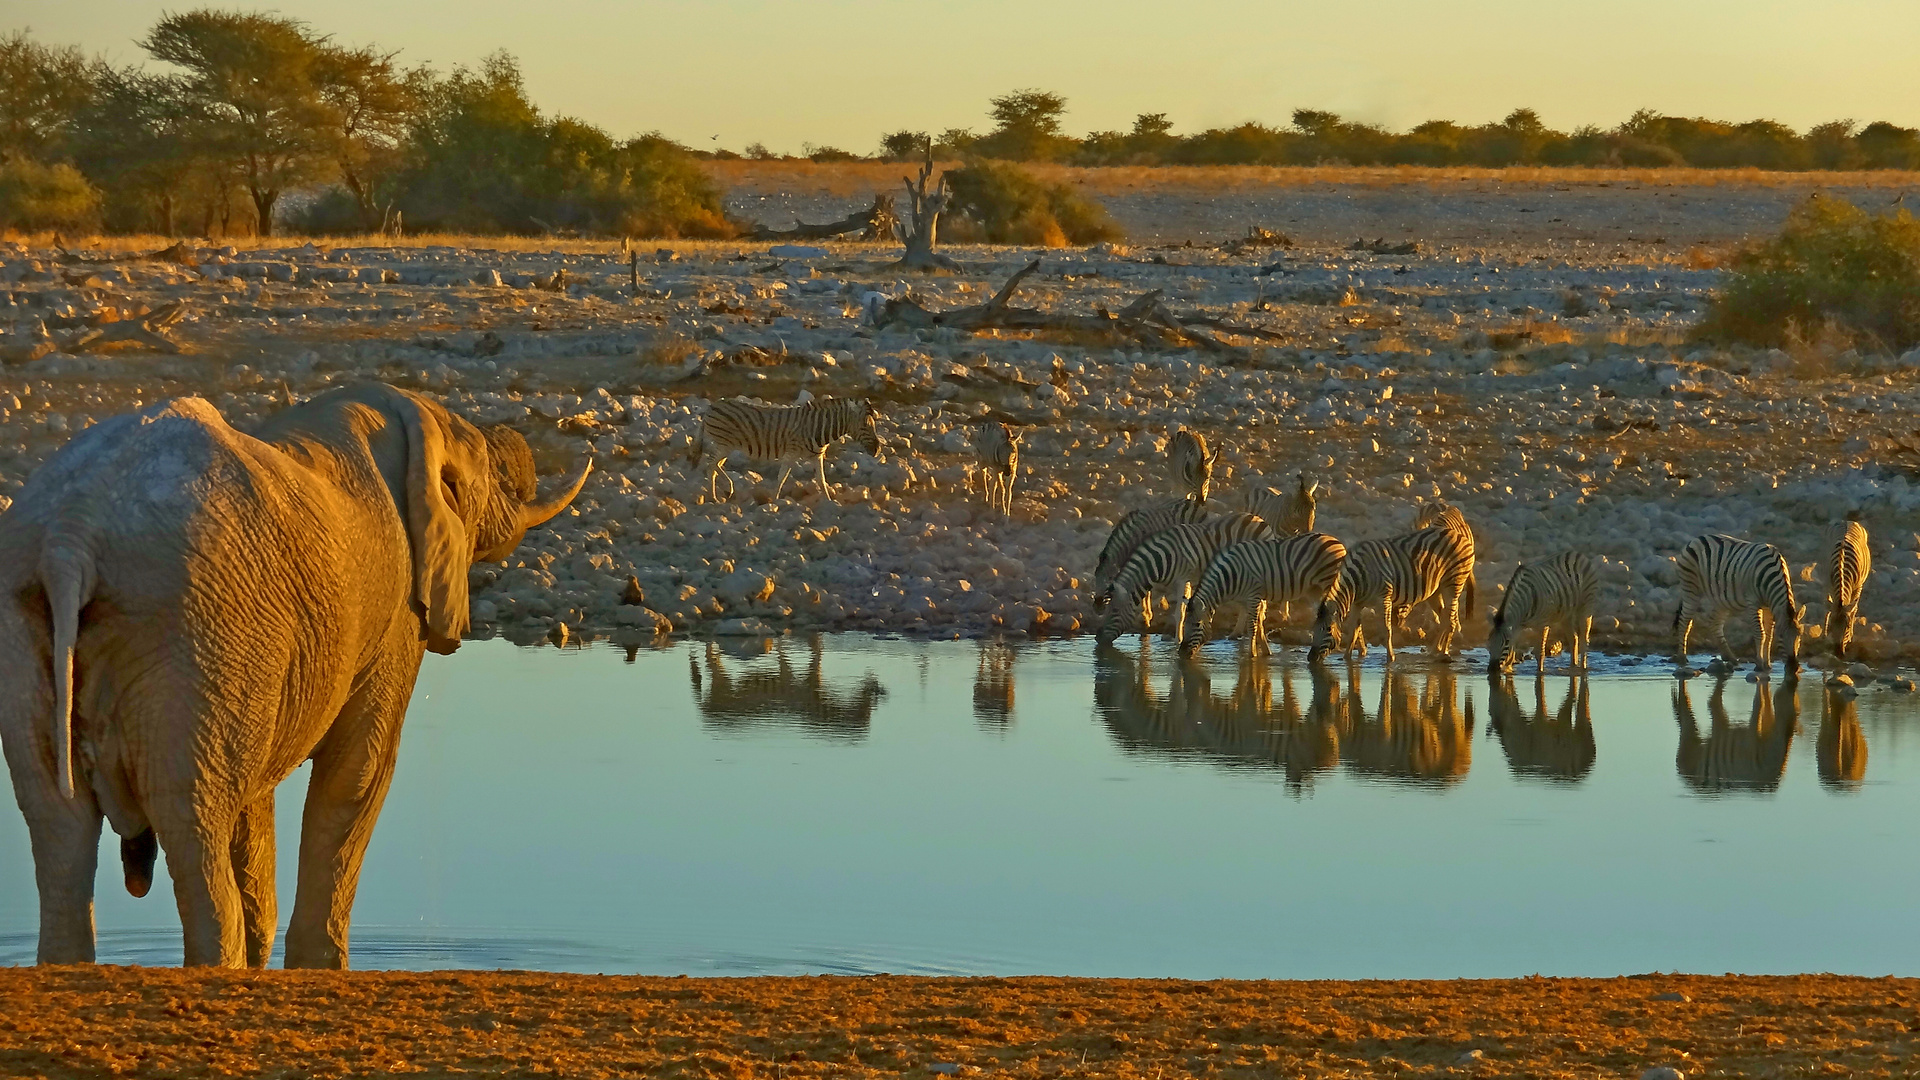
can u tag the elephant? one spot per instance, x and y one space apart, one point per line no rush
189 612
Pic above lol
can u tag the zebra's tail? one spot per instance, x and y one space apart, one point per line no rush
697 449
1472 596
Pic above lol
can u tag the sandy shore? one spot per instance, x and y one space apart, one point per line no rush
75 1023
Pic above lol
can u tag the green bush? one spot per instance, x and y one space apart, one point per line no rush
1834 269
1012 206
35 196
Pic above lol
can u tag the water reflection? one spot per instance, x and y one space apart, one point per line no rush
993 685
758 698
1557 747
1412 738
1749 758
1841 750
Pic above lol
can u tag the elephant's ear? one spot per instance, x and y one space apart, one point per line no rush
442 546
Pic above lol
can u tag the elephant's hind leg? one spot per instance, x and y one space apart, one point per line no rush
253 859
197 839
352 768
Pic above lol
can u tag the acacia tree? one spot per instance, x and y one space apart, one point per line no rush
139 140
257 84
374 103
42 93
1029 126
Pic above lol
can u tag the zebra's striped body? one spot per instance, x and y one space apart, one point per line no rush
1192 465
1561 590
782 433
1169 562
1397 574
1848 564
998 448
1439 514
1132 531
1258 573
1722 575
1290 513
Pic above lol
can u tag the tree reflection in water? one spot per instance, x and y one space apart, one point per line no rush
757 697
1557 748
1752 757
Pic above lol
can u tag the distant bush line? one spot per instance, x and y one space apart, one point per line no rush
256 123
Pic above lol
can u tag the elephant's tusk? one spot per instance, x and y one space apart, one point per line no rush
536 513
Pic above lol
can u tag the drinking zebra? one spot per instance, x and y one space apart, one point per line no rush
1721 575
1848 565
1398 573
782 433
1256 574
1169 562
998 448
1192 464
1131 531
1561 589
1290 513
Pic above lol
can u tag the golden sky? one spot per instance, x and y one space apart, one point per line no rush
841 72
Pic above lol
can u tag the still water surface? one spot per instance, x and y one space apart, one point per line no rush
856 805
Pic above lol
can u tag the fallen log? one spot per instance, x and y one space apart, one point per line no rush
874 223
148 329
1147 320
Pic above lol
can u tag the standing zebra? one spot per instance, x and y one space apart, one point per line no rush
1258 573
1290 514
1192 464
1398 573
1169 562
998 448
781 433
1561 589
1848 565
1131 531
1721 575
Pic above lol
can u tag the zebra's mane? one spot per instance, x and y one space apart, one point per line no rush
1500 613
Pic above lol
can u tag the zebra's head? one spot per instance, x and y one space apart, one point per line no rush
1329 629
1504 630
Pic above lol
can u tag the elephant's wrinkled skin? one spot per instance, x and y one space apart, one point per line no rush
235 605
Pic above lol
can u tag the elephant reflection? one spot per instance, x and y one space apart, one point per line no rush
1244 728
753 699
1419 738
993 685
1748 758
1841 751
1557 747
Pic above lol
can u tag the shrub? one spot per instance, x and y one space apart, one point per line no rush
35 196
1012 206
1834 269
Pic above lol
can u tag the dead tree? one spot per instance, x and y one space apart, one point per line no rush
921 228
875 223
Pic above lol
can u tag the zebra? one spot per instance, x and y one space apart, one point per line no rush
1720 575
998 448
1192 464
781 433
1170 561
1398 573
1131 531
1560 589
1848 564
1258 573
1289 514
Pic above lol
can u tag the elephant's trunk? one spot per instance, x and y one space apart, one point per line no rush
536 512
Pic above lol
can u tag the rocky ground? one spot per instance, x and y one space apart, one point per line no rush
71 1023
1545 386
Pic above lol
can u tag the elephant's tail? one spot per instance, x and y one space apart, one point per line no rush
66 573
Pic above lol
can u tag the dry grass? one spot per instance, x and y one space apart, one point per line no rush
862 178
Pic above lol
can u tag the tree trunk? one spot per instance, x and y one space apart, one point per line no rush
166 214
921 229
263 210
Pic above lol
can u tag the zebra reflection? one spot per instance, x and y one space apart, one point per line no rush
1419 738
740 703
1557 747
1247 727
1752 757
1841 750
993 685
